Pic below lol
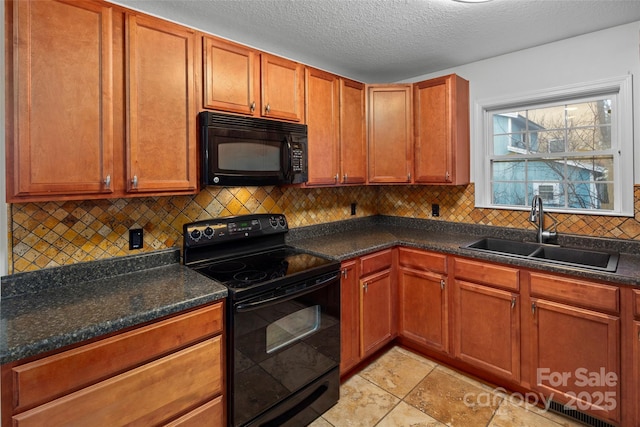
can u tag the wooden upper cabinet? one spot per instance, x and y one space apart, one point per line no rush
390 134
442 131
282 83
161 109
59 82
231 77
322 106
353 133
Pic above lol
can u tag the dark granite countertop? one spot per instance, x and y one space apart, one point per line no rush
52 308
350 239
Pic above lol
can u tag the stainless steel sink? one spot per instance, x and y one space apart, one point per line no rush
572 257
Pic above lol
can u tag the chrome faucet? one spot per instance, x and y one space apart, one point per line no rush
537 217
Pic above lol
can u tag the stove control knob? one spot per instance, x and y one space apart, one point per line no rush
196 234
273 221
208 232
282 222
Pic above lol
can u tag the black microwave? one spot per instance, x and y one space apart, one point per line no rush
248 151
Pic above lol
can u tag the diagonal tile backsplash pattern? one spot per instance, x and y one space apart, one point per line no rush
60 233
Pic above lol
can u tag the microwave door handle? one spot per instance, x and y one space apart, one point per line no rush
288 160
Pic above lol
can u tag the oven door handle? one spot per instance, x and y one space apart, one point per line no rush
248 306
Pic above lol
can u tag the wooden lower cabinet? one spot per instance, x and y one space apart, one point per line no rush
350 318
487 329
423 316
368 320
377 321
486 312
636 368
575 348
168 371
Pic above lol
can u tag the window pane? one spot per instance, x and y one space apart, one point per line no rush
590 195
589 139
509 193
508 171
590 168
549 141
546 170
552 193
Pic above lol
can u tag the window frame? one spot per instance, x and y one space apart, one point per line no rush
622 143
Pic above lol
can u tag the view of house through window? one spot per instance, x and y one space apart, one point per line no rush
563 151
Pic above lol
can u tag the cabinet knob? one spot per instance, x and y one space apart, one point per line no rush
533 308
337 177
344 273
107 181
513 302
267 109
344 178
365 286
134 181
252 107
442 284
446 176
409 177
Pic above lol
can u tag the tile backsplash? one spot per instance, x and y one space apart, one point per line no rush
59 233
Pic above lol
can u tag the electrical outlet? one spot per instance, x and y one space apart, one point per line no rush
435 209
353 208
136 238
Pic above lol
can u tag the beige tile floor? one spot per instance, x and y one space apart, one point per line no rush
401 388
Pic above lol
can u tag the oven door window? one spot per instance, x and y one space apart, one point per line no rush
292 327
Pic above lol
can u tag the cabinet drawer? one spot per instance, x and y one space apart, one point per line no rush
422 260
375 262
488 274
147 395
636 303
586 294
45 379
210 414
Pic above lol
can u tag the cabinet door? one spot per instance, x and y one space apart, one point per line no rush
60 117
353 133
423 315
161 112
636 369
442 131
487 329
231 77
282 88
322 125
390 134
576 358
350 319
376 312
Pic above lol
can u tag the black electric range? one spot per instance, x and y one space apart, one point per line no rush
282 319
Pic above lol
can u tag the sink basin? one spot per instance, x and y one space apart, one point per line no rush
598 260
511 247
572 257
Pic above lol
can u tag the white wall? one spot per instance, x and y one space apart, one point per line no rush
595 56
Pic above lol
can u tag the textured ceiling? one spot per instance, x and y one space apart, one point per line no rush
381 41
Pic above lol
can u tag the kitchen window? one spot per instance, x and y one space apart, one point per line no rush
571 146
